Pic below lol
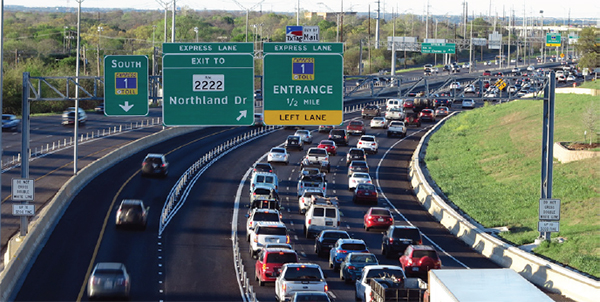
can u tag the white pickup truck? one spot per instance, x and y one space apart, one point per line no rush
298 277
396 128
363 284
316 157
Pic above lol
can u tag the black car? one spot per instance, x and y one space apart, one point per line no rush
355 154
339 136
132 212
155 164
327 239
442 102
262 167
397 238
294 142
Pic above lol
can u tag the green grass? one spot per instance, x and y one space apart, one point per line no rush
488 162
591 84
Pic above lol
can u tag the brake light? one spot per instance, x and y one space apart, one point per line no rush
143 164
256 239
420 241
391 240
95 280
338 223
287 240
325 288
351 267
163 165
283 287
309 221
122 281
251 222
342 251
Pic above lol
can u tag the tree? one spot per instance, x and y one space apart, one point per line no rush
588 45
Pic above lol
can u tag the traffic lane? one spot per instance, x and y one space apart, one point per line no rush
68 251
197 242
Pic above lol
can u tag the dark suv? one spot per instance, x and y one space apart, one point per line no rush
355 154
294 142
339 136
132 212
397 238
155 164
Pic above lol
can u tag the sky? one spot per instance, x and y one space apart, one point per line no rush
557 9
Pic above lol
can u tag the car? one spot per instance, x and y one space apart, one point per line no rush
396 128
397 238
351 267
299 277
394 103
325 128
257 215
427 115
258 94
368 143
269 262
441 111
486 84
409 104
358 166
470 89
10 122
313 182
339 136
328 145
305 200
258 120
516 70
321 217
370 111
267 232
294 142
378 122
358 178
530 68
365 193
447 68
68 116
437 102
305 135
109 280
378 218
455 67
394 113
155 164
342 247
279 155
571 78
356 127
468 103
355 154
417 260
326 239
412 118
132 212
262 167
311 296
455 85
318 158
99 108
498 74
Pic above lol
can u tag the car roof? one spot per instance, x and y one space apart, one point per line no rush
404 227
383 266
303 264
367 136
255 210
360 173
378 208
423 247
334 231
271 224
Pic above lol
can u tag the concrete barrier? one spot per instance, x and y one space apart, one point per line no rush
543 273
44 222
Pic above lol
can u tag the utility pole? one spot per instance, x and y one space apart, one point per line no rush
100 29
173 24
369 38
427 22
342 22
76 124
377 26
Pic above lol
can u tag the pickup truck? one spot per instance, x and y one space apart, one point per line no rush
299 277
312 183
397 289
363 284
396 128
316 157
370 111
305 200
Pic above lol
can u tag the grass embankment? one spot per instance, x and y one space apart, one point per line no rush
591 84
488 162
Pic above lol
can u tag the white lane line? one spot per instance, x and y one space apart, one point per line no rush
395 209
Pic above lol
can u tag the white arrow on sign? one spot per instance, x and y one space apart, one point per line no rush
126 107
242 114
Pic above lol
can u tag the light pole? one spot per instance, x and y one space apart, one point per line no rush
153 50
100 29
247 13
542 36
196 31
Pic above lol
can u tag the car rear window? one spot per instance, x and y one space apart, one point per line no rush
262 191
317 151
330 213
337 132
282 257
360 175
271 231
265 179
335 235
363 258
380 212
154 160
358 164
311 297
109 271
424 253
326 143
354 246
367 139
366 187
303 274
261 216
356 123
310 194
407 234
278 150
356 152
319 212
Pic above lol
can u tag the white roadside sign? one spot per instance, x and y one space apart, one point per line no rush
548 226
23 209
549 209
22 189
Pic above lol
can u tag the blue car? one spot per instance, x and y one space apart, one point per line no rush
351 267
342 248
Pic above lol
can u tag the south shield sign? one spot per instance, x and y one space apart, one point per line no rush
126 85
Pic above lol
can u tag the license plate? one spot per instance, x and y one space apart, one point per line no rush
415 269
108 284
329 223
366 194
380 219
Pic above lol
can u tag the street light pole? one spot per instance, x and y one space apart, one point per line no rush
196 31
100 29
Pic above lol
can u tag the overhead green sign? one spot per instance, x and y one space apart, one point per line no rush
303 84
126 85
438 48
208 84
553 39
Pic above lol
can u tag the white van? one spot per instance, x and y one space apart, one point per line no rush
394 103
321 217
264 179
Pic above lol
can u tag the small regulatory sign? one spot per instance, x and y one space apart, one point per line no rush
22 189
23 209
549 209
548 226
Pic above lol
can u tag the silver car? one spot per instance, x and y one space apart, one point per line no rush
305 135
109 279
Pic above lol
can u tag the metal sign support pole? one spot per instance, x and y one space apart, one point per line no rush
25 143
547 142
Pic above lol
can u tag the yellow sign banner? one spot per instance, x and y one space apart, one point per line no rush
296 117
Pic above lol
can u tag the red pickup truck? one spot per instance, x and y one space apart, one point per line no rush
356 127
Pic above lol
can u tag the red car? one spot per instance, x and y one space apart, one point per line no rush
487 73
270 261
329 146
417 260
409 104
427 115
356 127
365 193
378 218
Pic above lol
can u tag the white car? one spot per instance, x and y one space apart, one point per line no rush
515 70
368 143
258 215
267 232
455 85
395 113
358 178
470 89
378 122
570 78
467 103
278 155
305 135
299 277
530 68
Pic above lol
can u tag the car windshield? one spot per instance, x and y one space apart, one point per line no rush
261 216
424 253
383 272
367 139
353 246
267 230
281 257
302 273
407 234
380 212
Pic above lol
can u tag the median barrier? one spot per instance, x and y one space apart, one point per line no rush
43 223
548 275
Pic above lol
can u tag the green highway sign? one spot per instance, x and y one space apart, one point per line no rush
553 39
303 84
208 84
438 48
126 85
